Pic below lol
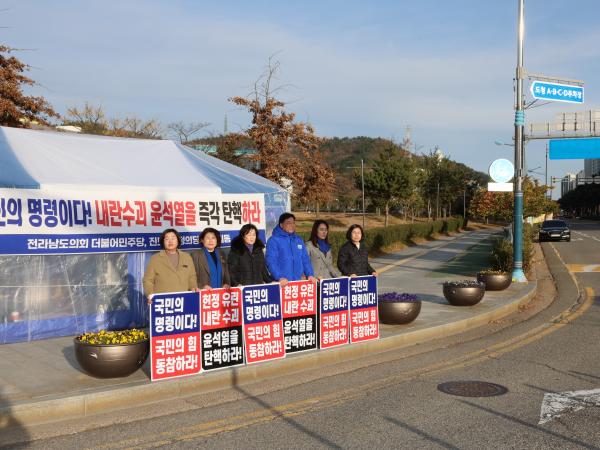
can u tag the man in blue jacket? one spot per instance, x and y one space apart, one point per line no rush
286 256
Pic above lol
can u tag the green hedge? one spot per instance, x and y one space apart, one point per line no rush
378 238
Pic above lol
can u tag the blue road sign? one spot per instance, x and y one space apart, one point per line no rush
557 92
588 148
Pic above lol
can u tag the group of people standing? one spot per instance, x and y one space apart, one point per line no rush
287 258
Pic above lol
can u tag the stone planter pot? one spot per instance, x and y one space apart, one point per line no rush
463 296
495 282
111 360
398 313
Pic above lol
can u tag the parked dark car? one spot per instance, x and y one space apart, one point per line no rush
554 230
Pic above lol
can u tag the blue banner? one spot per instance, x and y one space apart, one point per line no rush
52 244
334 295
175 313
262 303
363 292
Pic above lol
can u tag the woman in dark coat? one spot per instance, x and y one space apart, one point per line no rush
353 257
210 263
246 259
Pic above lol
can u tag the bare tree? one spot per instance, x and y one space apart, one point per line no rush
92 120
184 131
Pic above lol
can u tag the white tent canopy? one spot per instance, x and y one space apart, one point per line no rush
32 159
48 295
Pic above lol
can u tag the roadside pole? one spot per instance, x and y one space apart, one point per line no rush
518 275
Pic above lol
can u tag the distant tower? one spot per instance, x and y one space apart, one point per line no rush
408 137
225 126
407 141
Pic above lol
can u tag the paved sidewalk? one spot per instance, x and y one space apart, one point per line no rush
41 381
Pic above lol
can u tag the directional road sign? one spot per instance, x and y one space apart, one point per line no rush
586 148
557 92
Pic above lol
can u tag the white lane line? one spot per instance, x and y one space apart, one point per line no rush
586 235
557 404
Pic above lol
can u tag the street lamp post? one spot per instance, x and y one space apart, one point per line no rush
439 156
518 275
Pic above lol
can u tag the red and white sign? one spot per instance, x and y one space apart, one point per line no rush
364 314
299 302
174 335
263 327
221 313
333 314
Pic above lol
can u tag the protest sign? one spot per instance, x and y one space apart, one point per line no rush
299 303
174 335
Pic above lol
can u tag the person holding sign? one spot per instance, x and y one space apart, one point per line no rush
246 259
169 270
319 251
287 258
211 265
353 258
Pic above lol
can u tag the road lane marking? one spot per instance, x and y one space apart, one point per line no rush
586 235
556 404
578 268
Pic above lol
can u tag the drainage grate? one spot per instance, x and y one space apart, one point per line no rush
472 388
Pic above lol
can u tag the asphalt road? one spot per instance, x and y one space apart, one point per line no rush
393 401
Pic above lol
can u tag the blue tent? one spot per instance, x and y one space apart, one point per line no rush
44 296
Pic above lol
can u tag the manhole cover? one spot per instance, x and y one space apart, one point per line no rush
472 388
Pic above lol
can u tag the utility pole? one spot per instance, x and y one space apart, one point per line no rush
362 179
518 275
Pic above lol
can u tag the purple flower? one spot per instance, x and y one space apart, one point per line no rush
396 297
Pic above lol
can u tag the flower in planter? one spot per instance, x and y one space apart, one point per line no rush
396 297
464 283
104 337
492 272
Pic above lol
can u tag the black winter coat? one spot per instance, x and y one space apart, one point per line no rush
247 268
352 260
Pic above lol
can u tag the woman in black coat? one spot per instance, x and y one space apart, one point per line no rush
353 257
246 259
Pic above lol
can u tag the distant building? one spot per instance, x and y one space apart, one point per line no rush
208 149
568 183
591 167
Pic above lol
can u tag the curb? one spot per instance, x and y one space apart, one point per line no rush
143 393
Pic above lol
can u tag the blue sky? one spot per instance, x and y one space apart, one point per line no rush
443 67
